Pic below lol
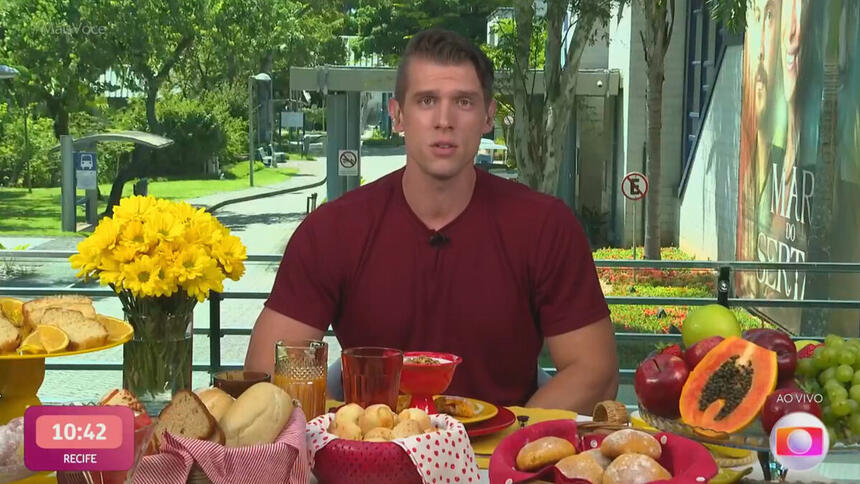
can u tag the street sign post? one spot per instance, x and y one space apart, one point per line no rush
347 163
634 187
85 170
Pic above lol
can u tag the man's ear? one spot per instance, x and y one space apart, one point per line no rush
491 116
396 114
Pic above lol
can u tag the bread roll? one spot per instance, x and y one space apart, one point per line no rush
378 415
257 416
417 415
379 434
598 457
543 452
345 430
217 401
629 441
407 428
634 469
349 413
185 415
580 466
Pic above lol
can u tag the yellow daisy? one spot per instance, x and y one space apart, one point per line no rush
141 278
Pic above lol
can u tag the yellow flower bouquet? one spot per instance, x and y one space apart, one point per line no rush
161 258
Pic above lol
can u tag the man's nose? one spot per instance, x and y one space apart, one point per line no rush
444 116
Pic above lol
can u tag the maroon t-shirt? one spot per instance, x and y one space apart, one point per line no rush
513 268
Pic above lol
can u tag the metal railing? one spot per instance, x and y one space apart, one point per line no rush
723 295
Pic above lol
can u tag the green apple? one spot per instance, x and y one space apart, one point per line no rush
801 343
706 321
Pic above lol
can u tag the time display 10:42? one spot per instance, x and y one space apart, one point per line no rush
78 438
78 431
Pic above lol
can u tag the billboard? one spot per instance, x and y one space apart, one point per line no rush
799 171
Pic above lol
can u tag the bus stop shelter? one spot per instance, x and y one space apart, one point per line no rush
68 145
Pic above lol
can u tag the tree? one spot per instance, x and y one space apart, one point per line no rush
659 21
384 26
244 37
59 54
541 122
151 37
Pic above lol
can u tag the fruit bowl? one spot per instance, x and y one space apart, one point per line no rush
423 380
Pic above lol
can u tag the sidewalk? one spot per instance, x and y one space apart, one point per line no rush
310 172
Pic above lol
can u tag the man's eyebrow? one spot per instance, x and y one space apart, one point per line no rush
457 93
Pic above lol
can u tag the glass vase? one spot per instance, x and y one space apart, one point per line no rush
157 361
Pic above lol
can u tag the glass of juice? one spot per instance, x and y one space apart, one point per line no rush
301 368
371 374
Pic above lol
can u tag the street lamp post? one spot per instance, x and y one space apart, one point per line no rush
252 108
8 72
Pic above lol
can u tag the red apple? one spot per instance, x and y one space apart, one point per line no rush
785 401
694 354
658 383
779 342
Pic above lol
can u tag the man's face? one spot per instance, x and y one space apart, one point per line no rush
791 16
767 16
443 116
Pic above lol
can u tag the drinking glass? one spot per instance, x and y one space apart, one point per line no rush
301 368
371 374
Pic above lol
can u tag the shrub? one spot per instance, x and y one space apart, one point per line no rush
44 165
196 133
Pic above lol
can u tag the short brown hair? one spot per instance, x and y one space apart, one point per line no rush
444 47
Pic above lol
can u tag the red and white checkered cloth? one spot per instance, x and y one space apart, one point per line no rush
284 460
445 456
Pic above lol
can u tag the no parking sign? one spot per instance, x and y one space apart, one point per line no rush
634 186
347 162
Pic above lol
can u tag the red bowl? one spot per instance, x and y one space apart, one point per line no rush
687 460
424 381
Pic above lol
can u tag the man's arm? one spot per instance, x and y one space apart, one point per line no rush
270 327
587 364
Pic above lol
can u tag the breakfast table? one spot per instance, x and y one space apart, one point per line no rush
847 470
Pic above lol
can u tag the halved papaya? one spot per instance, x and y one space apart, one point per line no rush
727 389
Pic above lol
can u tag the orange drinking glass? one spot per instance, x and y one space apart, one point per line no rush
301 368
371 374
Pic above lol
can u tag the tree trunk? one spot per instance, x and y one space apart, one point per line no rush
151 96
653 165
540 124
57 109
659 21
125 173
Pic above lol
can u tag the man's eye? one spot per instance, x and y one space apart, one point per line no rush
426 100
465 102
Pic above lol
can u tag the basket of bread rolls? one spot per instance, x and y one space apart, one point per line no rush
555 451
209 437
358 445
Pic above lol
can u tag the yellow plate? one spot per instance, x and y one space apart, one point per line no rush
30 356
486 410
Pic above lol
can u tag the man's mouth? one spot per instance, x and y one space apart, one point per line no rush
444 145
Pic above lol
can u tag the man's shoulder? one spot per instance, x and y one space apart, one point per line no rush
517 200
364 201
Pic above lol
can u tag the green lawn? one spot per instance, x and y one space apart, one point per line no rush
38 213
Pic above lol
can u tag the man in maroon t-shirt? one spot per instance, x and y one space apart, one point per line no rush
441 256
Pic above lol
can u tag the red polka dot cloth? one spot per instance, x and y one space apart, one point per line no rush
441 457
283 461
